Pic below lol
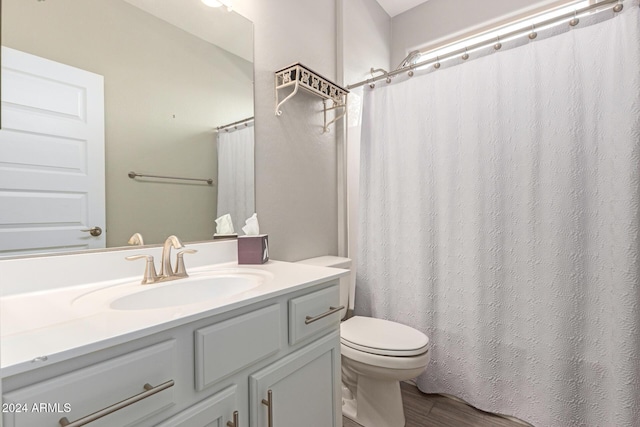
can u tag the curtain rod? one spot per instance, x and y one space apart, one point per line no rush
235 124
617 5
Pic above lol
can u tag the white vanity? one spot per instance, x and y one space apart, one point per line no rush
89 343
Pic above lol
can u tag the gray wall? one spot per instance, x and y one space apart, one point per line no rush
296 196
152 71
296 165
366 39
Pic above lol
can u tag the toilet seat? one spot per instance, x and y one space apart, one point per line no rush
410 363
382 337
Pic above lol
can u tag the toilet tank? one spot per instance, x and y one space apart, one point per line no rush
335 262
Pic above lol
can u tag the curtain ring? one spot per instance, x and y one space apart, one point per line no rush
410 72
575 21
533 34
618 7
466 55
437 64
498 45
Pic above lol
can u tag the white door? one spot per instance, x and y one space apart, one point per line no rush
51 156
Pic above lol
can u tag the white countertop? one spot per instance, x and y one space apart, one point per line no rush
45 327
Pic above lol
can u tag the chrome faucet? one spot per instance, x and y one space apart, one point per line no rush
165 269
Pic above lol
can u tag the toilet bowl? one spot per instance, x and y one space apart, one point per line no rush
376 355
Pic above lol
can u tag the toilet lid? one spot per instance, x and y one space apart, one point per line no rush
379 336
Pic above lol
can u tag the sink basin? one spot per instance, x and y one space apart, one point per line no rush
188 291
198 288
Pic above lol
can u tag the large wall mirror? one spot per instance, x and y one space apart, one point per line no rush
174 71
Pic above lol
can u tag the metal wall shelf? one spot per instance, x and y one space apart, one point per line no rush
301 77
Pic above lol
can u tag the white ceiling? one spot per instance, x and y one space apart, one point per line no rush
396 7
228 30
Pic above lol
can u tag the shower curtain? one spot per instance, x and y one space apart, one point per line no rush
499 214
236 182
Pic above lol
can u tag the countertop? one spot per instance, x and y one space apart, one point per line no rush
45 327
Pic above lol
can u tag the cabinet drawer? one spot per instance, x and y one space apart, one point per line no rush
98 387
227 347
304 310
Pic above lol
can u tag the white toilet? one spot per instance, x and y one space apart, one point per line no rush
376 355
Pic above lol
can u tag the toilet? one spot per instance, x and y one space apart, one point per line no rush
376 355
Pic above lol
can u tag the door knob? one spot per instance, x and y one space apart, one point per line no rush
95 231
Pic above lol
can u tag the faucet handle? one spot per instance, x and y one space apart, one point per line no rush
136 239
150 275
181 271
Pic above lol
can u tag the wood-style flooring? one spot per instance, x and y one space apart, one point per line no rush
434 410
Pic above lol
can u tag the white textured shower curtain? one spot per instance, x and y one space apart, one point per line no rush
236 183
499 214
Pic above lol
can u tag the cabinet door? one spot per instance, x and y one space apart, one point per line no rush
214 411
303 388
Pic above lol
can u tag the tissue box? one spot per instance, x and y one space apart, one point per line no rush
225 236
253 249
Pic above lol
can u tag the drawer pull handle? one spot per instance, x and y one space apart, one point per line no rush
234 423
268 402
310 319
149 391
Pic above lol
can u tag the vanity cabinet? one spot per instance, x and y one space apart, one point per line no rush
259 365
300 389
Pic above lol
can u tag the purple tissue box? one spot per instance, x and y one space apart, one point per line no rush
253 249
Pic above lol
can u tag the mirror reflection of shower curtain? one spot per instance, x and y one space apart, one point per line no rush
236 184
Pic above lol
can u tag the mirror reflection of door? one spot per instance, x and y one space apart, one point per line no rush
51 156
